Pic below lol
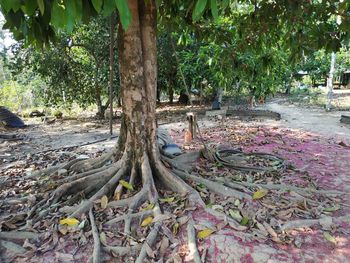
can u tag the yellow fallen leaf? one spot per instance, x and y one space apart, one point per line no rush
149 207
126 185
205 233
329 238
70 221
167 200
259 194
118 192
104 202
147 221
176 228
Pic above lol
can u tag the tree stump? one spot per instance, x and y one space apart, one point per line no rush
192 124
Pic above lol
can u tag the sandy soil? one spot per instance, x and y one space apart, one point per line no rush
313 120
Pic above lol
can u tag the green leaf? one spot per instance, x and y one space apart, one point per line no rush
126 185
124 13
332 208
6 5
244 221
71 14
58 15
41 6
108 7
29 7
330 238
15 5
199 9
235 214
214 9
97 5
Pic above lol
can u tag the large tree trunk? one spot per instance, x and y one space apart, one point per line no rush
137 49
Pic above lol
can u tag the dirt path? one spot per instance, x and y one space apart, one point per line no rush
313 120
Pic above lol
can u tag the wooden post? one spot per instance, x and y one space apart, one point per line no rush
192 124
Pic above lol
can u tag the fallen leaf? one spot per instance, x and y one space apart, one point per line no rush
270 230
205 233
118 192
63 229
27 244
244 221
235 214
126 185
259 194
64 256
150 206
103 238
104 202
161 217
329 238
167 200
149 251
182 220
148 220
332 208
217 207
82 224
175 229
164 244
70 221
262 229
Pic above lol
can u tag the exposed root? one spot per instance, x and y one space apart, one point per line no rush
285 188
52 169
18 235
301 223
141 195
214 187
96 256
192 245
108 187
176 184
90 164
129 216
123 251
151 238
83 183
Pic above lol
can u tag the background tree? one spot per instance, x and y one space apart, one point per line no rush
75 69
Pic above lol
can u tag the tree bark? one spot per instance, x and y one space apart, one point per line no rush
138 77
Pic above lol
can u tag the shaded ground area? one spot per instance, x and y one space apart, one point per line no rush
314 160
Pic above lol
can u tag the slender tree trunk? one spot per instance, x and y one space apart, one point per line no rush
171 92
100 108
330 83
111 71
